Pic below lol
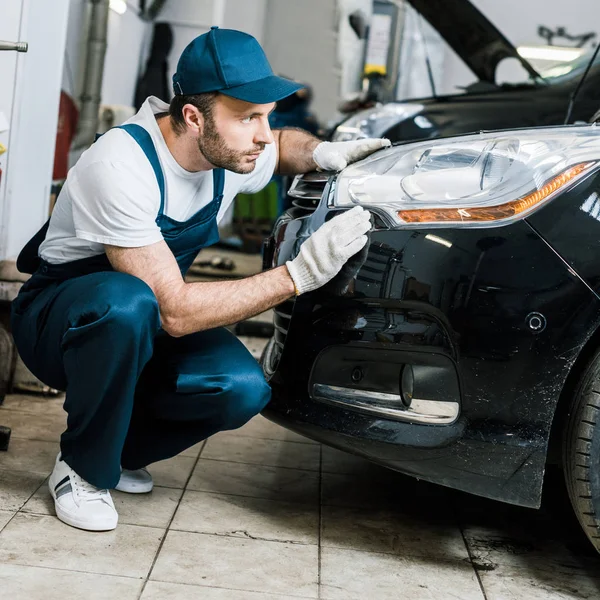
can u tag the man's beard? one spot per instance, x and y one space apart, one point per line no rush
217 153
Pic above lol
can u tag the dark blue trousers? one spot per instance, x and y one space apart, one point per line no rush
134 394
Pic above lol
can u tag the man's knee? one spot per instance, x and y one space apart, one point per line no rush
248 394
120 302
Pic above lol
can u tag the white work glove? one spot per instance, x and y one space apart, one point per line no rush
335 156
326 251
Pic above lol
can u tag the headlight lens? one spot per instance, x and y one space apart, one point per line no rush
479 180
374 122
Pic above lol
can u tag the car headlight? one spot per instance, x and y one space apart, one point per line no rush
374 122
482 180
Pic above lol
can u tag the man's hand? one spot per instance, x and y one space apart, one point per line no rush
326 251
335 156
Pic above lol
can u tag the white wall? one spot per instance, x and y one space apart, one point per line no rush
350 54
74 50
301 43
189 19
246 15
420 41
128 37
10 30
34 119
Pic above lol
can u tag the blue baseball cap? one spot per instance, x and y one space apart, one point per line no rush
233 63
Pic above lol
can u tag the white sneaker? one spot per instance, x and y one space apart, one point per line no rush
135 482
79 503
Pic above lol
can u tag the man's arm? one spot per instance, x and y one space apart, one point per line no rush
300 152
295 149
189 307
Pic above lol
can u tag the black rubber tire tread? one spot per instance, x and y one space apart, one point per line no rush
581 451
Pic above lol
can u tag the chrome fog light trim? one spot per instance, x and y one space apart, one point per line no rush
388 406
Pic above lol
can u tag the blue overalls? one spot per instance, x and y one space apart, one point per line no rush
134 394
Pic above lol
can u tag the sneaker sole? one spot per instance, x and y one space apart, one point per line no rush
66 517
136 488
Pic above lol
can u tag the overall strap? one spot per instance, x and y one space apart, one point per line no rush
218 182
143 138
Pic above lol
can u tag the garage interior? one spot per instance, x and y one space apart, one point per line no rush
261 512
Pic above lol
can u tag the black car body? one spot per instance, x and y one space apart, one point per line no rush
445 352
485 105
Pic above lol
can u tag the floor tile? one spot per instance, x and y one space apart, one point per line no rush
16 487
524 548
253 518
41 503
289 485
506 583
33 583
254 345
150 510
45 427
393 531
30 456
35 404
194 451
352 575
264 317
156 590
5 517
271 453
375 488
173 472
259 427
336 461
253 565
44 541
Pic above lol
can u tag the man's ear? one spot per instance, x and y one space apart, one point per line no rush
193 118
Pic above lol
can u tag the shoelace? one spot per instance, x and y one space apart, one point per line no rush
89 491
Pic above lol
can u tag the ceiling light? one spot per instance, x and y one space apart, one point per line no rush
119 6
553 53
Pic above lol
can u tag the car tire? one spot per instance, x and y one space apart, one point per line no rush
581 451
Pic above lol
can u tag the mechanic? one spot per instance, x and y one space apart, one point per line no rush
148 368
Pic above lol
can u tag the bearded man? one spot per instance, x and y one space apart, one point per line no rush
148 367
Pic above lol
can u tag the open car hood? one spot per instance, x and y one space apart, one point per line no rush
472 36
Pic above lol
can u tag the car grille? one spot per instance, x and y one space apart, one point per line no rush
306 193
281 321
307 190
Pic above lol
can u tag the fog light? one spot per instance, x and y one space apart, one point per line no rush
407 385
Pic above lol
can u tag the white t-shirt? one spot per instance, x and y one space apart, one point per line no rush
111 195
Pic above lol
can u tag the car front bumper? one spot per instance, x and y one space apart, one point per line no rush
441 354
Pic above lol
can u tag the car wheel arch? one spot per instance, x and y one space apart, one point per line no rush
565 400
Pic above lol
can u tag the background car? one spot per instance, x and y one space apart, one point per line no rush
462 345
540 99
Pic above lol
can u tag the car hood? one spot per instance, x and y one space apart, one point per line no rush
471 35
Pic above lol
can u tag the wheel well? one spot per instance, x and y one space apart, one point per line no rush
564 401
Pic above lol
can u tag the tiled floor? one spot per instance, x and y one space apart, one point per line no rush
264 514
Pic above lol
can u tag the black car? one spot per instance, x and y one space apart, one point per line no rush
462 346
537 101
